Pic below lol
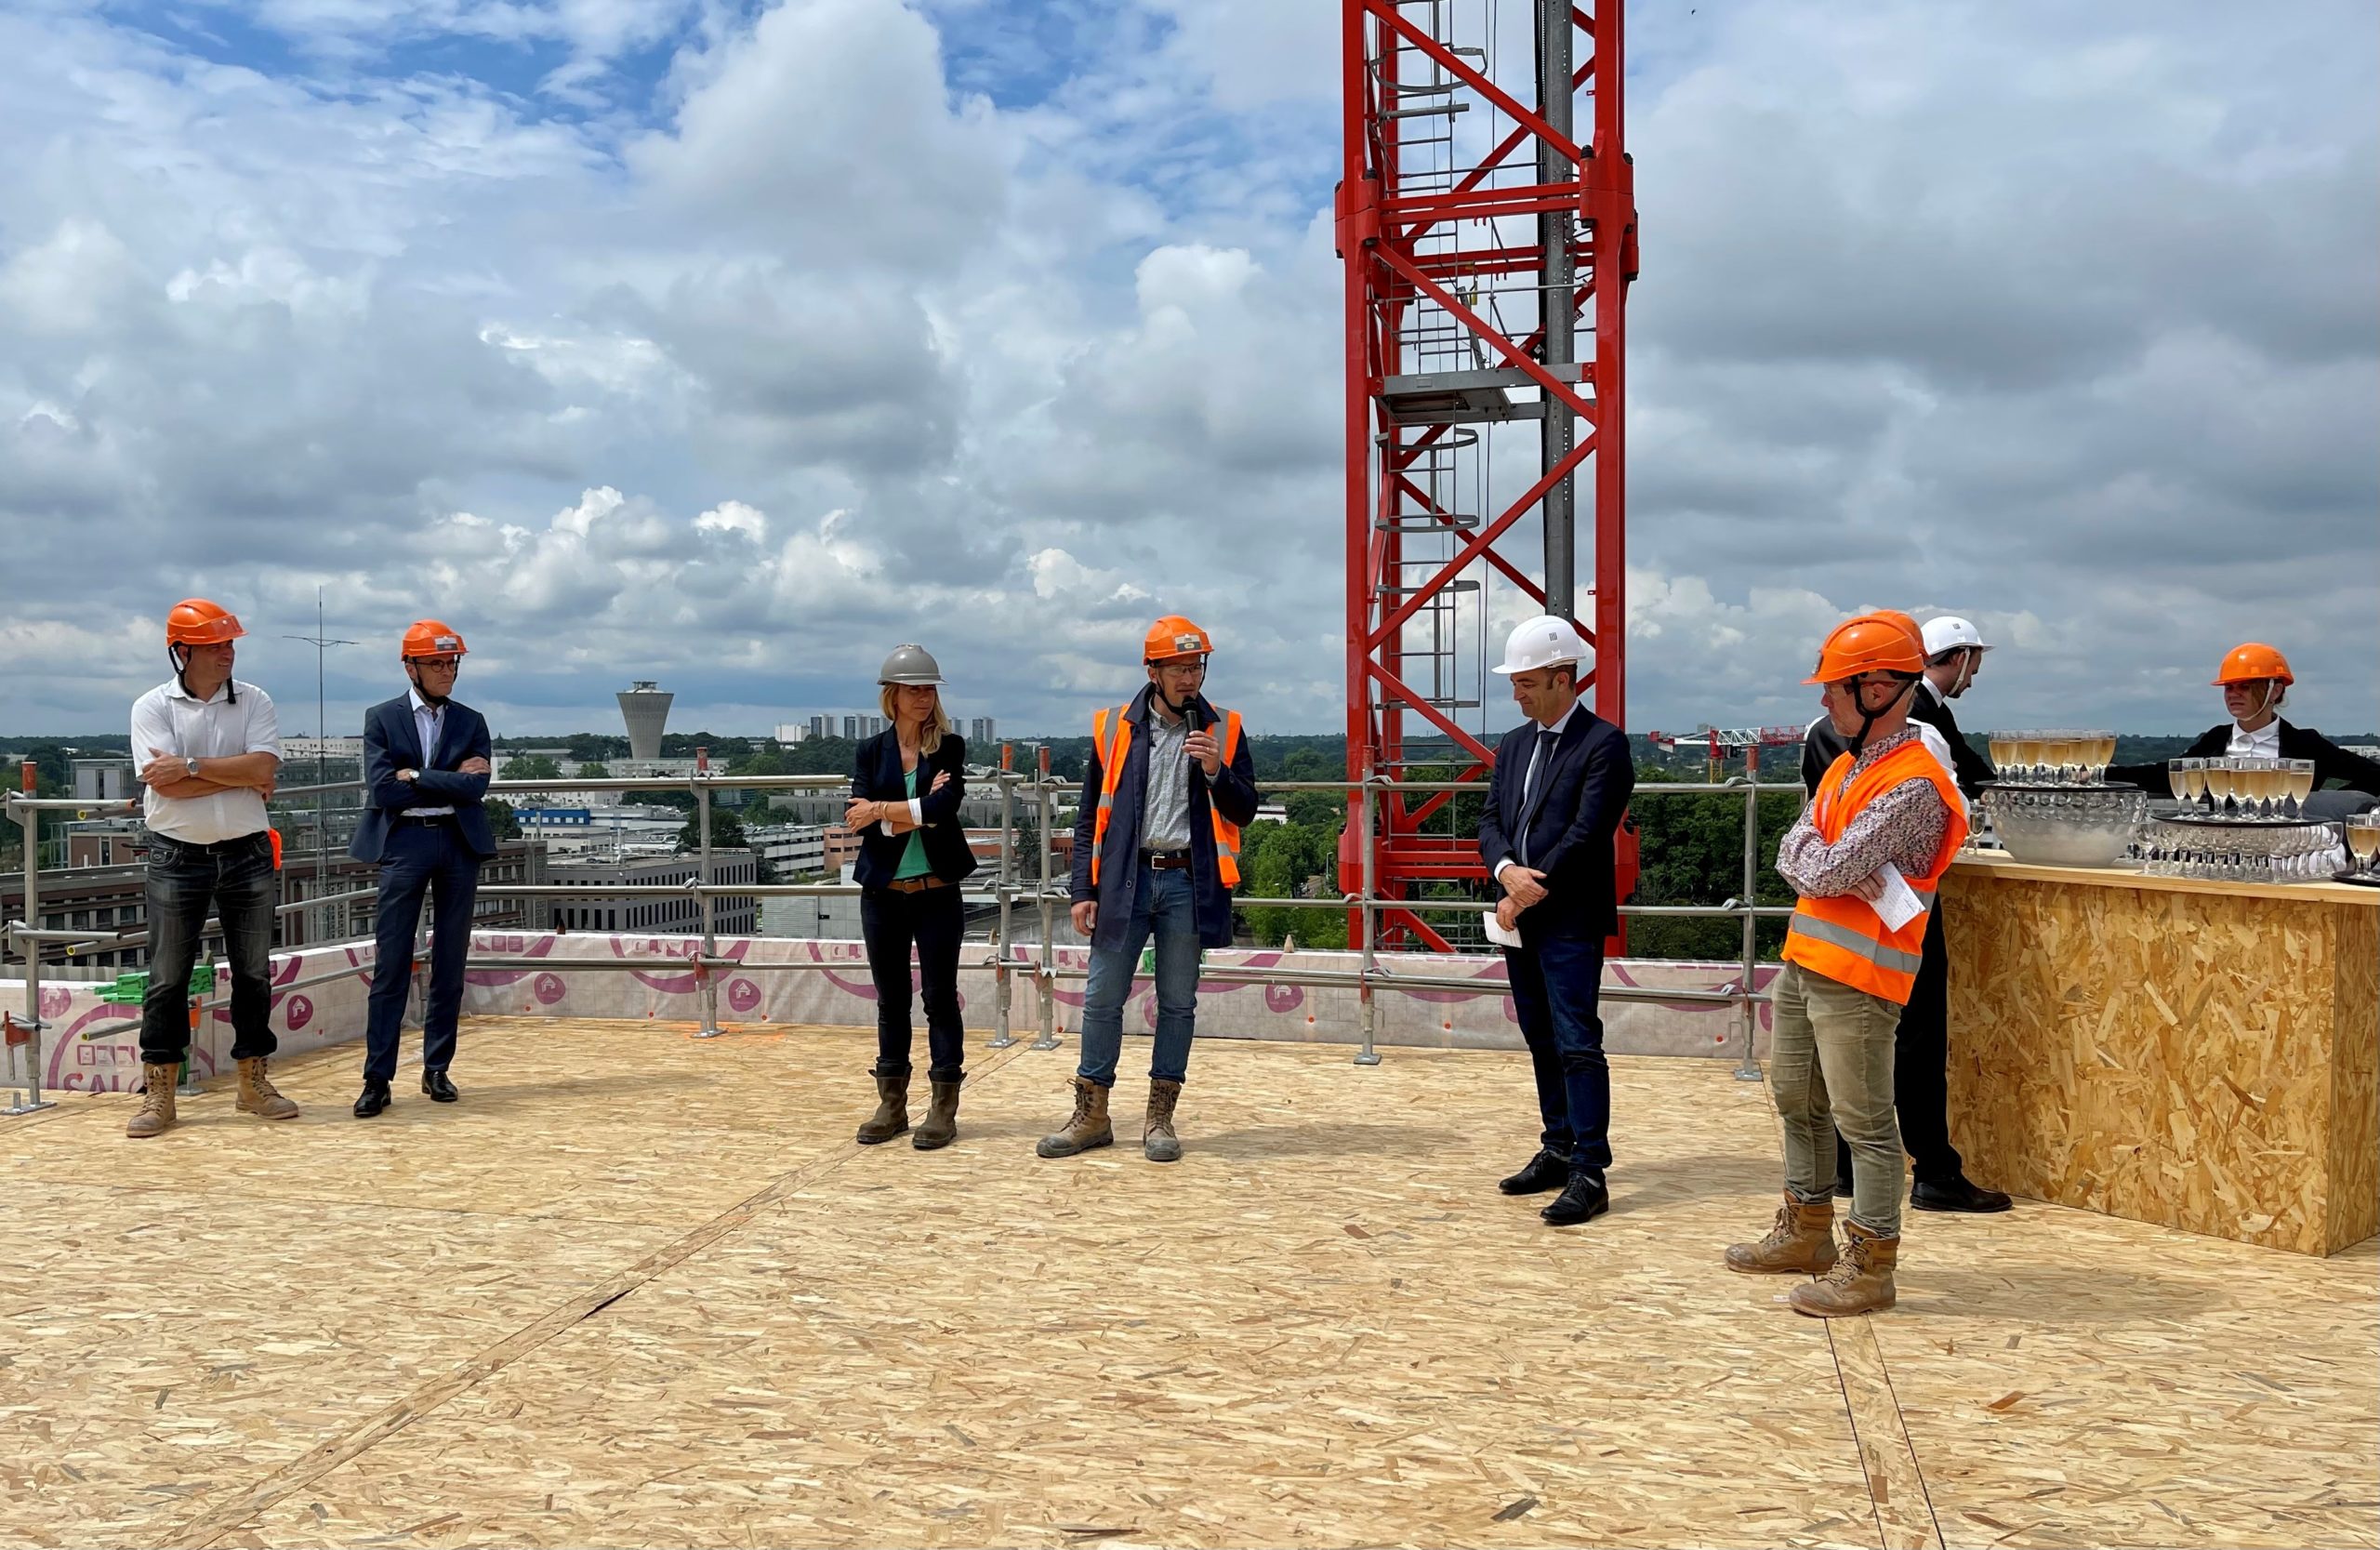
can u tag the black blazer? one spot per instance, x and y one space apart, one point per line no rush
876 776
1575 808
2330 761
391 743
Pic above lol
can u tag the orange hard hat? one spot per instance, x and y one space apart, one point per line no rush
196 622
1887 640
2252 663
1173 637
430 638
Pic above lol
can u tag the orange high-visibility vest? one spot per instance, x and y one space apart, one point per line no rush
1844 939
1111 771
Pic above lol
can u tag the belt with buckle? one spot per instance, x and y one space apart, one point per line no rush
1166 861
917 884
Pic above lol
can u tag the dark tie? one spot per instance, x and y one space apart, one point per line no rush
1539 758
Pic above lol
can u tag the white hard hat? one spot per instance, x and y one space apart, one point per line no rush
1544 642
1950 632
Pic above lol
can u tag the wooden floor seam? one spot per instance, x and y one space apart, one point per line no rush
265 1494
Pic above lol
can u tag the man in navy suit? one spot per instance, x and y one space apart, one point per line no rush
1555 798
426 767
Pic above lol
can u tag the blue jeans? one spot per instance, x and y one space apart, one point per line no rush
1164 905
420 858
236 879
1554 986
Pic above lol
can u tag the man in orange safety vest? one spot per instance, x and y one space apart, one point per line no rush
1865 858
1157 853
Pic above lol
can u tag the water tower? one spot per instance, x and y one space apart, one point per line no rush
645 707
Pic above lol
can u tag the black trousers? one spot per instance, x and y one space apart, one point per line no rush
236 879
1921 1069
933 919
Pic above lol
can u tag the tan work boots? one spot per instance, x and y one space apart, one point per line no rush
1861 1280
258 1096
156 1116
1800 1243
1086 1129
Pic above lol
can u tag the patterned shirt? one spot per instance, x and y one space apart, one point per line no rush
1904 824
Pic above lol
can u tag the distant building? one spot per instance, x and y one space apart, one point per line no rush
645 708
332 750
104 780
821 726
982 735
658 914
850 729
792 732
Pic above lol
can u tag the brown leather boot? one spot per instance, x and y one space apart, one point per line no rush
940 1127
892 1115
257 1095
1801 1242
1860 1282
156 1115
1088 1127
1158 1143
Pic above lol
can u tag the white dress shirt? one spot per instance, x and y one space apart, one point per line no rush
239 719
2263 743
429 723
1528 776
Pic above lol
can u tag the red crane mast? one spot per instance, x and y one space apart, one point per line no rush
1487 246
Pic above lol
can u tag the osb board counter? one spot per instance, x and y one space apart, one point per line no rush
2194 1054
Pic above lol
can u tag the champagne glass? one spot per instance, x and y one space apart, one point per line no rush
2193 781
2220 773
2364 840
2178 779
2299 774
2003 752
2067 752
2103 753
2271 781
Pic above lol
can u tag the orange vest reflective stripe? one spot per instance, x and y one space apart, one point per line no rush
1844 939
1111 772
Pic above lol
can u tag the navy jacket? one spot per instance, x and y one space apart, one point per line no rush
876 776
1575 808
2330 761
391 743
1233 794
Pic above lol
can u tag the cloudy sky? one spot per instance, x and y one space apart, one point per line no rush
730 345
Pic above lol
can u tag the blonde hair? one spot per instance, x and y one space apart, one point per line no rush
937 725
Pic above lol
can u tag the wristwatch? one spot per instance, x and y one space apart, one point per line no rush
192 765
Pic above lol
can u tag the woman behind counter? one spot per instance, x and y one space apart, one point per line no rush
908 783
2255 678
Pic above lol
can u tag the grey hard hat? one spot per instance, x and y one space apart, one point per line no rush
910 665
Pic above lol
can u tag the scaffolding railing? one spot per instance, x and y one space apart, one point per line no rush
1043 892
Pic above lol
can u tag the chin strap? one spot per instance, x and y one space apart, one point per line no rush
180 657
1868 718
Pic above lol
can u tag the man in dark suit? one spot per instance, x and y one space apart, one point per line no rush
1555 798
1954 651
426 768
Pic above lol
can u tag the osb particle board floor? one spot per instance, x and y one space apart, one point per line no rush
639 1289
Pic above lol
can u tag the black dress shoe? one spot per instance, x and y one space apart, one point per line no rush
440 1091
1957 1194
1544 1172
1582 1200
373 1098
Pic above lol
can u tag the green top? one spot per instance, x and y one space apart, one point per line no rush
913 860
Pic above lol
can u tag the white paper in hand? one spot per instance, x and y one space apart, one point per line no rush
1497 934
1898 903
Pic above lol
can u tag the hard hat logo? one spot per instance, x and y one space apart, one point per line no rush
1186 644
447 642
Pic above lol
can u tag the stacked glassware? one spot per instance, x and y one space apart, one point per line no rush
2052 758
2242 821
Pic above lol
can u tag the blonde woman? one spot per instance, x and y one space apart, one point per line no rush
908 782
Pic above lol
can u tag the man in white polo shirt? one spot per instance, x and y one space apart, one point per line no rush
208 750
